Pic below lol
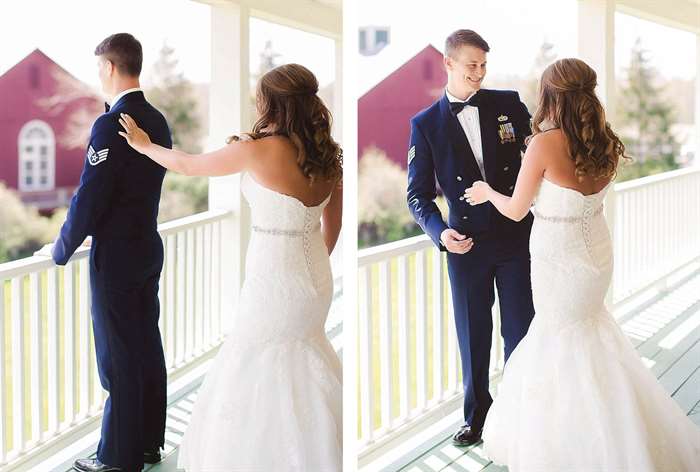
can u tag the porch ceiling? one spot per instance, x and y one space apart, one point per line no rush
683 14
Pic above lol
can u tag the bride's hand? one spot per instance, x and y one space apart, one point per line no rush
477 193
135 136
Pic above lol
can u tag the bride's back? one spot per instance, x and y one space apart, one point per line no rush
560 168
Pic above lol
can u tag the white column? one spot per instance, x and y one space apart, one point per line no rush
596 46
338 92
229 113
697 99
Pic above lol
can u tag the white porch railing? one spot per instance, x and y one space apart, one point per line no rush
656 230
409 370
50 393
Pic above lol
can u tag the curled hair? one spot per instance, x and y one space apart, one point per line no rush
567 98
288 105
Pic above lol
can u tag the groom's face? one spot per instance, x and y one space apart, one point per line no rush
467 66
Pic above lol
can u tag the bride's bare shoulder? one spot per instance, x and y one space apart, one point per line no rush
545 145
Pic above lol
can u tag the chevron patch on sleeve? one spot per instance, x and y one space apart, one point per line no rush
95 158
411 154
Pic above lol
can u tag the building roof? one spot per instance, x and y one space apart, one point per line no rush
375 68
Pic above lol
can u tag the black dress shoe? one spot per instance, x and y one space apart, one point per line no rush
94 465
466 436
152 457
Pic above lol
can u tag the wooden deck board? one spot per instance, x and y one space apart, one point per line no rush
675 361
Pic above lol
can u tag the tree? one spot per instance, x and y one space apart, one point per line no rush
174 96
544 58
383 214
268 61
644 115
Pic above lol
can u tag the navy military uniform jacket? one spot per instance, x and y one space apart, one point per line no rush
117 203
119 190
439 149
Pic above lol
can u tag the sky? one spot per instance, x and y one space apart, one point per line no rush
183 24
515 30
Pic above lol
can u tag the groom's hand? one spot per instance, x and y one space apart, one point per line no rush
455 242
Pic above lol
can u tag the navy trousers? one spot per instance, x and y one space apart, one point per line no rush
125 310
472 276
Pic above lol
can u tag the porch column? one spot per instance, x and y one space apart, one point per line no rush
696 157
596 46
229 113
338 91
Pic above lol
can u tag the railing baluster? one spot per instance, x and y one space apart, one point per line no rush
438 333
179 325
190 284
3 377
52 348
366 357
206 281
404 340
36 363
69 344
17 364
170 300
452 386
84 346
421 332
385 343
216 282
199 290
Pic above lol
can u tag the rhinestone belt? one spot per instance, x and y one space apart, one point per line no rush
567 219
278 232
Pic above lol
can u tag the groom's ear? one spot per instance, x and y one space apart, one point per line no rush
447 62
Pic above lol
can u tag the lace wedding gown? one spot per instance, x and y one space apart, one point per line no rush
272 398
575 396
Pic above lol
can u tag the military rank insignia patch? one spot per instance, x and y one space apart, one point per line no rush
506 133
411 154
95 158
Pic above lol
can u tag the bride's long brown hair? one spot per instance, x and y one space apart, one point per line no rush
288 105
567 98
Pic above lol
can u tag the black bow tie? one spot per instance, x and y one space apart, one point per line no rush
457 107
106 107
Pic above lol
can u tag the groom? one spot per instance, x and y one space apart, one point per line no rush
117 204
472 134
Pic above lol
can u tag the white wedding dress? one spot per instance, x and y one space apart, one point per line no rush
272 398
575 395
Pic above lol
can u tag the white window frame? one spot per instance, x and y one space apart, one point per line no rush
25 139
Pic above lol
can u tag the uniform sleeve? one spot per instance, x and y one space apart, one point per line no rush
421 187
523 128
94 193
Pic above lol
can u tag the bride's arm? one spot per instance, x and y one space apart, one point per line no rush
526 186
332 217
231 159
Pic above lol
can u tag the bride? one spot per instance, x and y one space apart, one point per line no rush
575 396
272 398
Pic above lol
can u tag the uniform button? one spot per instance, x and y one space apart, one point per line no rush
506 168
465 217
510 188
459 178
462 197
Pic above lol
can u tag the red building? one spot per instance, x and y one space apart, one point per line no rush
385 110
45 120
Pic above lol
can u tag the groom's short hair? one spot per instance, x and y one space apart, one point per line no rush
124 51
464 37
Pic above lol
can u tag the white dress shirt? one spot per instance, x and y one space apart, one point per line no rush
121 94
469 119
